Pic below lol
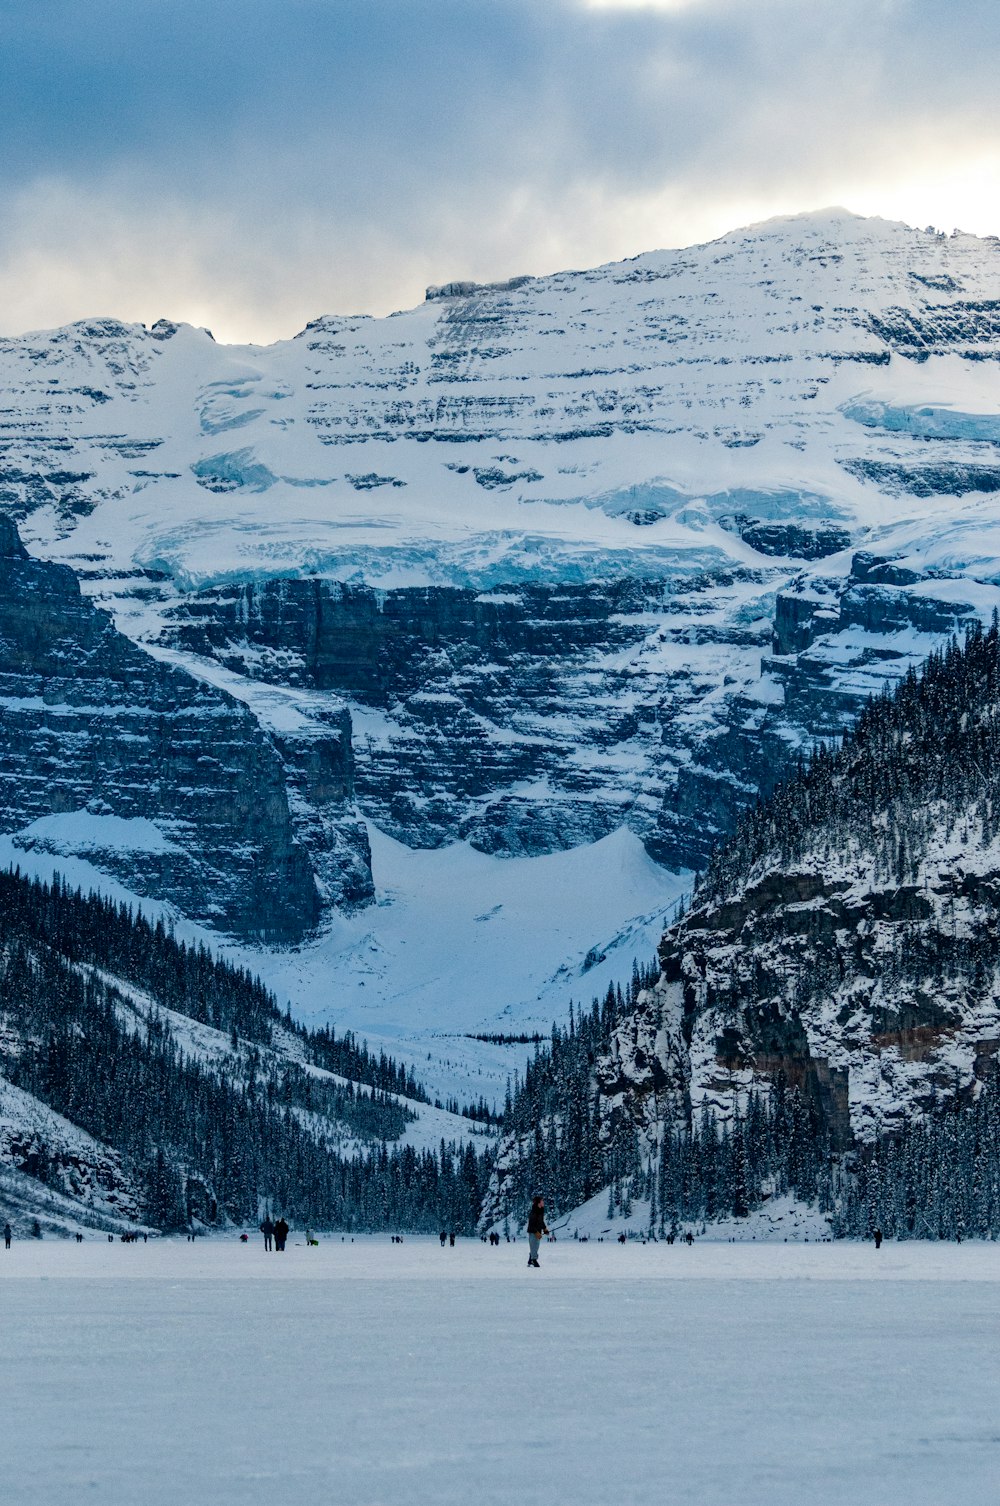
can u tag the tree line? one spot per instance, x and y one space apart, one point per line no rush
921 767
205 1140
926 750
186 977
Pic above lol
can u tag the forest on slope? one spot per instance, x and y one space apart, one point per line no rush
870 880
928 750
854 913
212 1103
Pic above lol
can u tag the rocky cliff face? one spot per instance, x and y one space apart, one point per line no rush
847 937
540 716
525 720
834 644
607 548
800 976
167 783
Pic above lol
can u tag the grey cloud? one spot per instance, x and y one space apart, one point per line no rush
267 161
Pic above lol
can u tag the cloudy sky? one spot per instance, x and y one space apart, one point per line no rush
249 164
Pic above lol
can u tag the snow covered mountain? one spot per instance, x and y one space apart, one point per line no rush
826 1018
162 780
846 937
598 550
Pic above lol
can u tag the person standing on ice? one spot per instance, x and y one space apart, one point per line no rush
536 1228
280 1234
7 1235
267 1229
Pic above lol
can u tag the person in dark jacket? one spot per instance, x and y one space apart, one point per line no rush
280 1234
267 1229
7 1236
878 1239
536 1228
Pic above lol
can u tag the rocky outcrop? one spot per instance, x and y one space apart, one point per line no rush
801 976
163 781
52 1166
794 540
946 479
835 644
847 936
318 760
525 720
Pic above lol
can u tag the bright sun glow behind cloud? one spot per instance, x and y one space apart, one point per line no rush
963 194
661 5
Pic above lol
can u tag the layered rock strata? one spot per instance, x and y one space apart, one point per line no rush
166 782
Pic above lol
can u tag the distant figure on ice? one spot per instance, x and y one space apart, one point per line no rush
451 1239
622 1238
878 1239
280 1234
267 1229
8 1235
689 1237
444 1238
536 1228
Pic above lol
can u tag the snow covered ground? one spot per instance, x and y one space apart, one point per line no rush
458 943
222 1259
780 1218
373 1373
461 943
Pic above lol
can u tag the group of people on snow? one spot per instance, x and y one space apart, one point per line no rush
276 1232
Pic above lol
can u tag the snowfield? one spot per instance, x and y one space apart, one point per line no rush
371 1373
372 1257
457 944
578 426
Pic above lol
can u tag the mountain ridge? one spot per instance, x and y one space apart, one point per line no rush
602 550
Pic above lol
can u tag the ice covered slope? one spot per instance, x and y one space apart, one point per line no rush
601 549
776 392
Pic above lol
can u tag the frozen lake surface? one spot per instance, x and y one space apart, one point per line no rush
377 1373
